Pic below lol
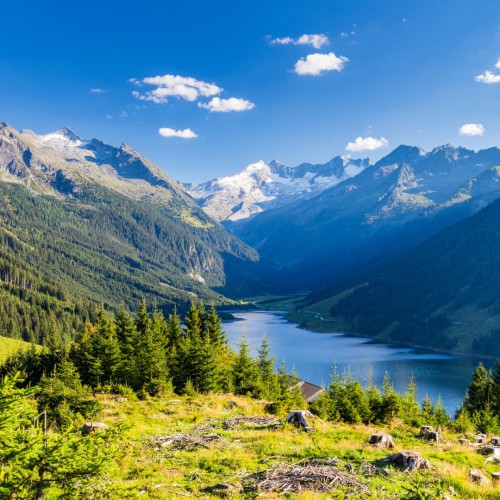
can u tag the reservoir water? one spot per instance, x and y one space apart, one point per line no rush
313 355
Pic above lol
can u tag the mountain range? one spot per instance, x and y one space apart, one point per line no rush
260 187
399 201
105 224
83 223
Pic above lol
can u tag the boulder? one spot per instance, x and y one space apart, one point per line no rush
89 427
381 440
478 477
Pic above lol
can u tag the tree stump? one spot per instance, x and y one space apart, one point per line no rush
495 476
495 455
478 477
381 440
495 441
121 400
480 438
88 427
432 436
298 418
465 442
411 460
424 429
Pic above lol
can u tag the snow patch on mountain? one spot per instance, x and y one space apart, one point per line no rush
261 186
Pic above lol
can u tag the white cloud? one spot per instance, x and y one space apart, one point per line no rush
471 129
187 88
282 41
497 65
488 77
367 144
317 64
316 40
98 91
218 105
187 133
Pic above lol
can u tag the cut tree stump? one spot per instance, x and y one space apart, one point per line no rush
495 441
495 455
480 438
381 440
424 429
478 477
411 460
432 436
495 476
93 426
465 442
298 418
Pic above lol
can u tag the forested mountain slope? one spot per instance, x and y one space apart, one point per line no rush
398 202
82 222
444 293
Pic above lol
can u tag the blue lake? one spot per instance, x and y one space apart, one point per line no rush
314 354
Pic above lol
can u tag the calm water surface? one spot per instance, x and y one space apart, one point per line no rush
314 354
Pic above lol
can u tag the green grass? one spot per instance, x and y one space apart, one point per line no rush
11 346
160 472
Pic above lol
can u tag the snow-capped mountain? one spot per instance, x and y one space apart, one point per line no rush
261 186
58 162
402 199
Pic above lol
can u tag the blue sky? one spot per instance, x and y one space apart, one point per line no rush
394 71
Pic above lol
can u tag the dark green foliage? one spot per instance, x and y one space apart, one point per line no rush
411 296
59 257
246 372
33 461
67 402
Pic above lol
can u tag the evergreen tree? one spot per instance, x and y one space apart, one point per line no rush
174 330
126 334
479 392
267 373
410 409
245 371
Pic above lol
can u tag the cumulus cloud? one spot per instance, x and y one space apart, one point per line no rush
497 65
218 105
316 40
317 64
488 77
187 133
183 87
367 144
471 129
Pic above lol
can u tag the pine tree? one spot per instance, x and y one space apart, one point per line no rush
245 371
391 401
267 372
410 409
174 330
479 392
428 412
127 336
215 330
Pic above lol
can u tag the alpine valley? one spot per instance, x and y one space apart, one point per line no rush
83 223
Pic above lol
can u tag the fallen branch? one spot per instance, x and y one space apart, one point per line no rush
314 475
231 423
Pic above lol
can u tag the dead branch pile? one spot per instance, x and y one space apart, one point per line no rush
309 476
411 460
188 442
230 423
